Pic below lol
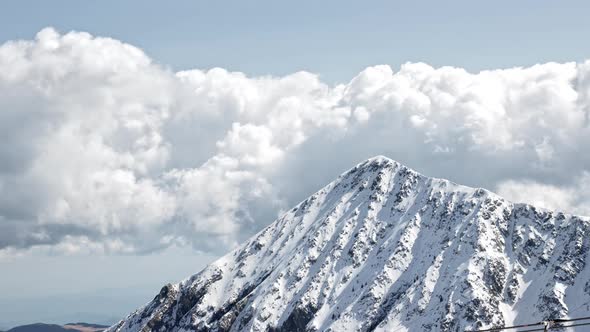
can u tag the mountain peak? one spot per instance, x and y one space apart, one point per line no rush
378 162
380 159
385 248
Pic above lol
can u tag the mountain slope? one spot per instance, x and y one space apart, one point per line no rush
385 248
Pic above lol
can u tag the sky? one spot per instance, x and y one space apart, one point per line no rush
335 39
141 141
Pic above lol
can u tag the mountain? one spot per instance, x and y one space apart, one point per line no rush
39 327
70 327
385 248
85 327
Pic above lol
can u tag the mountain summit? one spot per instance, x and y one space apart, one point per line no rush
385 248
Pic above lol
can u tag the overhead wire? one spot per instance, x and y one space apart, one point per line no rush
570 319
560 321
507 327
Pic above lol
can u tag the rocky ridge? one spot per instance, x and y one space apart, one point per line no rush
384 248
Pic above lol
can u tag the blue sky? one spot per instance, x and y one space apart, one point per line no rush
336 39
233 126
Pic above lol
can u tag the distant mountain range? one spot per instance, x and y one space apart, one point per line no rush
70 327
384 248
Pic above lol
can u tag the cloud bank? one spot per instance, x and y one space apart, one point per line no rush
103 150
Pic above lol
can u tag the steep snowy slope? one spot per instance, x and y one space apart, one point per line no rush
385 248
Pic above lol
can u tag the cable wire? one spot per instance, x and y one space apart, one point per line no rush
507 327
541 329
570 319
535 324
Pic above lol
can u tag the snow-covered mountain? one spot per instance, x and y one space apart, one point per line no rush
385 248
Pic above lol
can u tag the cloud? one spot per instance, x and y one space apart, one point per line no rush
102 149
574 198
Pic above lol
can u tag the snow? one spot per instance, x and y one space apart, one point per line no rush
385 248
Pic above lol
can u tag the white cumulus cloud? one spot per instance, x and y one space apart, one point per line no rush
102 149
